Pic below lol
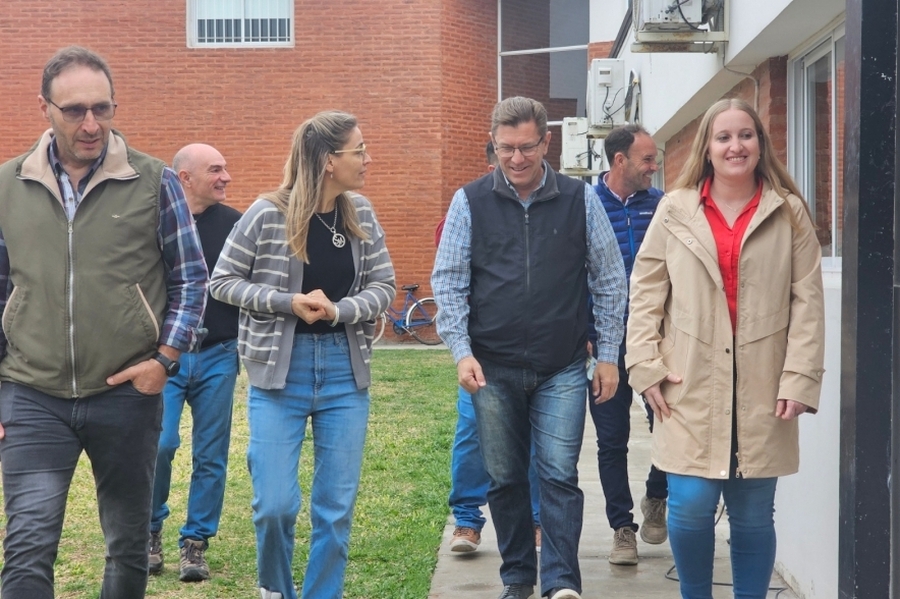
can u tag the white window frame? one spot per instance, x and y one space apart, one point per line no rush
244 11
501 54
798 117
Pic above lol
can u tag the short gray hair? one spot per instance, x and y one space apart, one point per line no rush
511 112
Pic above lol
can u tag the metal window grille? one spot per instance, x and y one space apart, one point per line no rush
221 22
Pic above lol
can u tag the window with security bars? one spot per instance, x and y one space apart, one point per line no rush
233 23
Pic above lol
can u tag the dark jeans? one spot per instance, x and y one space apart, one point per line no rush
45 435
516 407
612 419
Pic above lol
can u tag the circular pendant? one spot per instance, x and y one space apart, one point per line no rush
338 240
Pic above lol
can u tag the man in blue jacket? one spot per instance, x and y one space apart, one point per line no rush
630 201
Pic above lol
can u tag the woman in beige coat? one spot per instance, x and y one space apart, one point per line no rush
726 343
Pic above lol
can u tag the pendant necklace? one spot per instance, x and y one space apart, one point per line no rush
336 238
735 210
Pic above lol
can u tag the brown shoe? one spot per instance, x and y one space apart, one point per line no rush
155 554
537 537
465 539
193 565
653 529
624 551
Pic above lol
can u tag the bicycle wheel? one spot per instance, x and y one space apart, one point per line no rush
420 321
379 328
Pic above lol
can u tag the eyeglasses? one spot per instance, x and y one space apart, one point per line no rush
526 151
75 114
360 151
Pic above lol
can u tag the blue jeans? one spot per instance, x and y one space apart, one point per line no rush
320 387
469 481
516 407
118 430
612 421
206 383
692 510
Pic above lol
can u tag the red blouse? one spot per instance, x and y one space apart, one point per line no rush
728 242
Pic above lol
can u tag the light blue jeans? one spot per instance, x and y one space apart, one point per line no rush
692 511
518 407
469 481
321 388
206 383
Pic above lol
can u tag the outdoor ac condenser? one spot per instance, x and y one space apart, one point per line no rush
668 15
607 93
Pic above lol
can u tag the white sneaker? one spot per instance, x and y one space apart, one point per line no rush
267 594
565 594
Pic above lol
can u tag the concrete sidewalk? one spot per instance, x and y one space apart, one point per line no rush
476 575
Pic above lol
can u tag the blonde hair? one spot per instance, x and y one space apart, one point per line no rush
304 176
769 169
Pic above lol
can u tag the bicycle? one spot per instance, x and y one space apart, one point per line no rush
416 317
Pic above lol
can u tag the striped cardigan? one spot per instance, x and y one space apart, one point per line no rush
257 272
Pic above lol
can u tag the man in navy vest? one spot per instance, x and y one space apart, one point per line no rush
522 249
630 202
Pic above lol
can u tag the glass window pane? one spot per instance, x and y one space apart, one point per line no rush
534 24
820 148
557 79
839 150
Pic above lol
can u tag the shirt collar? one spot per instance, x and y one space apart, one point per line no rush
58 169
706 198
614 194
546 166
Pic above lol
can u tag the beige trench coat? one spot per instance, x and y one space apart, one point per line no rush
679 323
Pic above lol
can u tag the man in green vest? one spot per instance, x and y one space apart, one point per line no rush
102 287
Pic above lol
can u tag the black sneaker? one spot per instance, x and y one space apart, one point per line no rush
155 554
193 565
517 591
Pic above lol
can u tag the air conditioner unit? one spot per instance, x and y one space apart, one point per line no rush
679 25
670 15
576 156
607 93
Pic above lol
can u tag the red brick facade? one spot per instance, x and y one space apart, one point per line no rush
421 75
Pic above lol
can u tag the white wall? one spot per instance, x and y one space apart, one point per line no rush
678 87
806 504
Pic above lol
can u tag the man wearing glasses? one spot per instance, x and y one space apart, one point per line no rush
521 250
102 287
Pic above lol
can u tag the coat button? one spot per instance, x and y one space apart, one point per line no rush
690 241
727 350
727 412
722 473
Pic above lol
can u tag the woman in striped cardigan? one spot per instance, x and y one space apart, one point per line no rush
308 266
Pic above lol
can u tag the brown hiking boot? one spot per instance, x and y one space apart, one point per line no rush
624 551
465 540
193 565
653 529
155 554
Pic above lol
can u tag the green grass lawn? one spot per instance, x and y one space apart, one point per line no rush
400 513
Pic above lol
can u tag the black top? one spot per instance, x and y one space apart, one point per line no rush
330 268
214 225
528 291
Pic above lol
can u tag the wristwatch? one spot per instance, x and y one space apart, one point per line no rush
172 366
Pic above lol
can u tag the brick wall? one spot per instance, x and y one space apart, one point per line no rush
420 75
772 109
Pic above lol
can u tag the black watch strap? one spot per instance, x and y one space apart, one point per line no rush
171 366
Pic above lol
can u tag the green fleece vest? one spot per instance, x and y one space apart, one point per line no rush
88 297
